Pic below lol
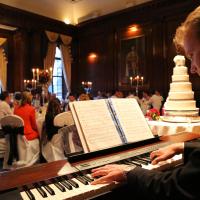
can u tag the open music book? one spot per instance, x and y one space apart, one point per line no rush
106 123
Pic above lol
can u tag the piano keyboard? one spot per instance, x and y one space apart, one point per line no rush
64 188
71 180
77 185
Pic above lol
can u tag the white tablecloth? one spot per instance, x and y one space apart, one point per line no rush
168 128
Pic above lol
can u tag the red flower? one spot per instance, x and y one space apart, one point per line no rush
153 114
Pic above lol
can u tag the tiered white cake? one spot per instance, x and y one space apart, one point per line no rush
180 101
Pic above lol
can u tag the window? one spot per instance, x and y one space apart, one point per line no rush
58 86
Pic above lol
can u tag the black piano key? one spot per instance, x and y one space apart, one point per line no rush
89 179
40 190
148 160
129 162
64 183
71 182
58 185
81 179
140 160
47 188
29 193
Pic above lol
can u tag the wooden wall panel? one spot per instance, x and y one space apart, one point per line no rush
160 17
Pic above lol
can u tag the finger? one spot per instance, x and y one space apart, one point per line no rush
154 154
97 169
158 159
101 180
99 173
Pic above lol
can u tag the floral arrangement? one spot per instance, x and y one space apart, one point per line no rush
153 114
44 77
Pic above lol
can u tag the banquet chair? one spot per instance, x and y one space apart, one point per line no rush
19 151
58 146
63 119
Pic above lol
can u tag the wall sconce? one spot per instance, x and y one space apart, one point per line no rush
133 29
92 57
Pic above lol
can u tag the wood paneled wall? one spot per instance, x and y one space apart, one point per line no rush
103 35
27 45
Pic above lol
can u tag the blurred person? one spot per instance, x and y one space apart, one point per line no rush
17 99
156 100
53 108
144 102
27 112
180 183
5 104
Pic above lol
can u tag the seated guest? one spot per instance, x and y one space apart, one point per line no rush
4 111
27 112
17 99
5 104
54 108
144 102
156 100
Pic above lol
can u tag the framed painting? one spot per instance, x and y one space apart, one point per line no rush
132 59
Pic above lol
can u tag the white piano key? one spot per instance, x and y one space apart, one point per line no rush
167 164
58 194
36 194
24 195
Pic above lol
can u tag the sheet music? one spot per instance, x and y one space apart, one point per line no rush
131 119
96 126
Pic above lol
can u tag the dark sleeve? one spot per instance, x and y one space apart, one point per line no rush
178 184
189 147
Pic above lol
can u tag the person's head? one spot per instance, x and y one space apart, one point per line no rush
17 98
26 98
187 38
54 107
4 96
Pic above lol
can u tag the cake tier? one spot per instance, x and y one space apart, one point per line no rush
188 95
191 113
180 105
180 86
178 78
180 70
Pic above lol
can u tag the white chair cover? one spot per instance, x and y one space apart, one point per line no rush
53 150
62 142
28 151
63 119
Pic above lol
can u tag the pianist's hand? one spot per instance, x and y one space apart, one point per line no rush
166 152
110 173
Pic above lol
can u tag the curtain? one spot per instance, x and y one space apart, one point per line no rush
51 50
67 59
3 69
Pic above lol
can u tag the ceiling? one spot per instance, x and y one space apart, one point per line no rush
74 11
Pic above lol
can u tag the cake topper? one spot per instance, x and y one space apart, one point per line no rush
179 60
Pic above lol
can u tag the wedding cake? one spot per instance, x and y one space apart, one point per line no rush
180 100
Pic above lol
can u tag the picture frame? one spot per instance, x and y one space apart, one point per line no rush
132 59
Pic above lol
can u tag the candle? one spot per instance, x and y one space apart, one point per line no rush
33 70
32 83
142 79
37 72
131 80
137 78
25 84
35 83
82 83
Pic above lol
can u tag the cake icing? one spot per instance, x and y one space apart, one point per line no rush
180 100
